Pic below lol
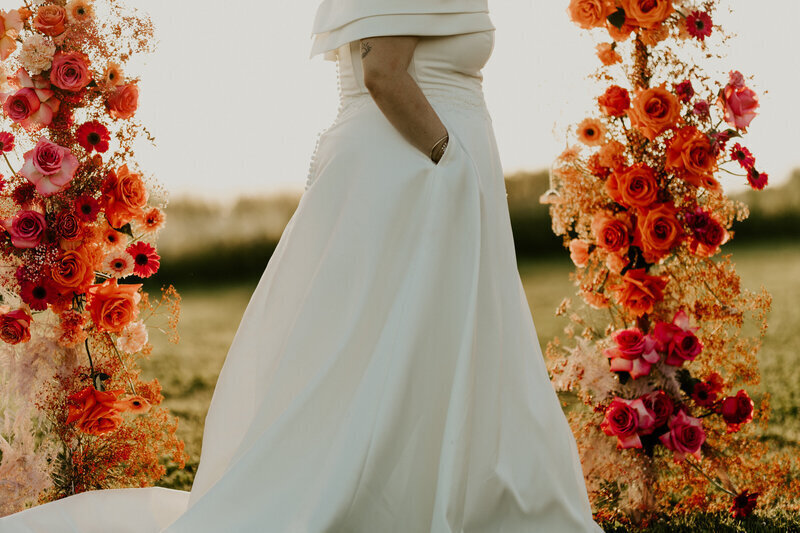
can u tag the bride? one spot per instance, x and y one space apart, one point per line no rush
386 375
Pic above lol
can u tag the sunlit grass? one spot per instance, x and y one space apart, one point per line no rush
210 317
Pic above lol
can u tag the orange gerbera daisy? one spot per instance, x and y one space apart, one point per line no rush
591 132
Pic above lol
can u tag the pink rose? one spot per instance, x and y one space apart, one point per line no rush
34 104
738 102
677 339
685 436
626 420
661 405
15 326
634 353
70 71
737 410
26 228
49 167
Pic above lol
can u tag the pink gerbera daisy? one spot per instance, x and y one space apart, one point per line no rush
743 156
758 180
699 24
145 259
93 135
6 142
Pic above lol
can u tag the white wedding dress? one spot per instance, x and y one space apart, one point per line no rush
386 376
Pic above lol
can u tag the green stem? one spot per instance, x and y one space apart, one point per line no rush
713 481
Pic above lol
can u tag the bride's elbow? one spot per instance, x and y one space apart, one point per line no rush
378 80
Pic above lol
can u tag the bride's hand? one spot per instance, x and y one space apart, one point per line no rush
385 63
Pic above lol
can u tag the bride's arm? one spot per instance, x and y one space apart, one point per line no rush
385 63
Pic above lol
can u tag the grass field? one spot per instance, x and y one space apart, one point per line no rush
209 319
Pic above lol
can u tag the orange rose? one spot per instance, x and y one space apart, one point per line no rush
579 252
654 111
638 186
73 270
612 155
639 291
612 233
50 19
15 325
93 411
647 13
124 196
112 306
612 187
658 231
607 55
590 14
124 101
689 154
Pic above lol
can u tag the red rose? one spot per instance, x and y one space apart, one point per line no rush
677 339
634 353
26 228
15 326
737 410
67 225
626 420
661 405
70 71
615 101
685 436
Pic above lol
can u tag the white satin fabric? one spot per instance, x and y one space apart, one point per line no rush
386 375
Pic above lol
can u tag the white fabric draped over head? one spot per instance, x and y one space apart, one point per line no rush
341 21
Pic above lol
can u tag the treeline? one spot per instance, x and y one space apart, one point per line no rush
215 243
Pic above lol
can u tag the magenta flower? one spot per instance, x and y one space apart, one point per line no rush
49 167
34 104
738 102
626 420
685 436
634 353
677 339
26 228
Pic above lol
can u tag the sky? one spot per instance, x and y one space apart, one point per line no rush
236 104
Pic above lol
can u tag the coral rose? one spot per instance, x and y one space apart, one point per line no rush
637 186
685 436
34 105
124 196
638 292
612 154
93 411
73 270
590 14
615 101
626 420
738 102
634 353
124 101
647 13
49 167
658 231
26 228
70 71
112 306
50 19
15 325
612 233
10 26
690 155
654 111
579 252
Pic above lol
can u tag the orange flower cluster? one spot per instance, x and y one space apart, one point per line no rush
665 368
76 223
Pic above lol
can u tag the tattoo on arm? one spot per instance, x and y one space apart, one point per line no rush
365 48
